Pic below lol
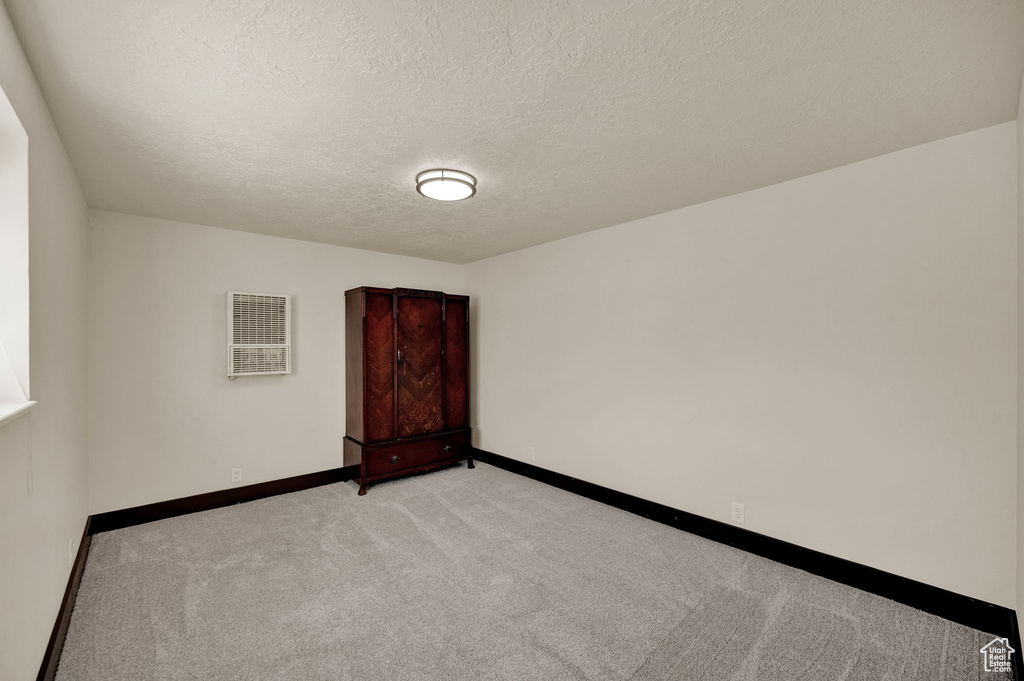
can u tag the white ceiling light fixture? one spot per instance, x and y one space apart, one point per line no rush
446 185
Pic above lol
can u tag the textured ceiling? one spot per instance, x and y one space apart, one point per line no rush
310 118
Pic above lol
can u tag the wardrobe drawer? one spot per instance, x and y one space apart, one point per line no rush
402 456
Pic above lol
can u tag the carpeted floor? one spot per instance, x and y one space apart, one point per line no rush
475 575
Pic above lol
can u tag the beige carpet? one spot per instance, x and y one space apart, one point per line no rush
476 575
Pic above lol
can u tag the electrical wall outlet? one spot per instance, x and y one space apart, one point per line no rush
236 475
737 513
531 453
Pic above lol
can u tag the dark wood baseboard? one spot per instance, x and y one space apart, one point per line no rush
956 607
950 605
1018 659
115 520
54 647
127 517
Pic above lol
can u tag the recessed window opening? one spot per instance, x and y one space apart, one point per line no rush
14 253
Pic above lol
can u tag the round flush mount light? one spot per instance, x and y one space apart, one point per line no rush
446 185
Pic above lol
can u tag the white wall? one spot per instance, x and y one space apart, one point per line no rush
165 421
1020 363
837 352
43 493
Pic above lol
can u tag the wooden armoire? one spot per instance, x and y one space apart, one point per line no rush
406 381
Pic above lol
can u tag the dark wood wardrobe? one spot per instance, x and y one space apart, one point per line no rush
406 381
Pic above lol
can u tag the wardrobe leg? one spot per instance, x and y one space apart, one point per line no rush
362 488
471 464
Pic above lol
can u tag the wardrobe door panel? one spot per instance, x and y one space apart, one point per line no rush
354 317
420 382
380 368
456 361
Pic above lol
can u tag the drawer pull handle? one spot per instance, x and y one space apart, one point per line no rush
447 448
394 459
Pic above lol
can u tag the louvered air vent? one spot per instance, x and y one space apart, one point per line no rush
259 334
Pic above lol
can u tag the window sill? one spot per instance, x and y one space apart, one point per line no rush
9 412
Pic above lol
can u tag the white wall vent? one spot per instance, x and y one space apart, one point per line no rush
259 334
